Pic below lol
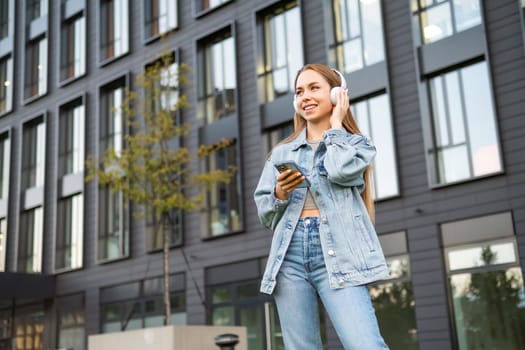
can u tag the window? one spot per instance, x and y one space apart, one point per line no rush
69 239
465 136
70 231
4 18
140 304
374 120
233 295
33 160
162 84
4 166
73 47
485 282
4 192
280 51
71 322
160 16
114 31
154 234
36 68
113 234
218 77
438 19
31 240
223 213
29 330
6 84
357 38
204 5
3 243
393 299
36 9
71 143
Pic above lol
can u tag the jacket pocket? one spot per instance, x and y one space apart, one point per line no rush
364 233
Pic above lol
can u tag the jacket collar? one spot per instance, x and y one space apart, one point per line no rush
299 141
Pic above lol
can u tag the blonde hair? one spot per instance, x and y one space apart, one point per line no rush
349 123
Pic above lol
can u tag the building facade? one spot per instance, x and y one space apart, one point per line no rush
438 85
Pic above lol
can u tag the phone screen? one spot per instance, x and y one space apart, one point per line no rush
289 164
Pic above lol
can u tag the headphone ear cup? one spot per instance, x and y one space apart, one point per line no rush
333 94
295 104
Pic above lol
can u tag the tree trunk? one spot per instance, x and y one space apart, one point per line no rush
166 261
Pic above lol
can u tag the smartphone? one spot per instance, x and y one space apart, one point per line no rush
290 164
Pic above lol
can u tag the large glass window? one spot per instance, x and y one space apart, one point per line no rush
488 298
71 322
29 330
160 16
35 68
218 87
73 48
357 39
223 213
438 19
465 134
280 51
70 232
6 84
114 28
33 160
393 301
232 291
374 120
162 85
113 235
30 240
154 233
140 304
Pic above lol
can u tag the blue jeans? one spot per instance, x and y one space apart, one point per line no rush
302 276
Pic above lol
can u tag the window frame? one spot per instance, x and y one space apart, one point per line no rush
105 42
68 26
147 20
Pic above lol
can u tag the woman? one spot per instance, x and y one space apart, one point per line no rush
324 243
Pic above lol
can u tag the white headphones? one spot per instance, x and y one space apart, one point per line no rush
333 92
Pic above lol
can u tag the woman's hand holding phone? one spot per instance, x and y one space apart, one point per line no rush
289 178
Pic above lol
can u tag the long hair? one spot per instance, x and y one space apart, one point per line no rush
349 123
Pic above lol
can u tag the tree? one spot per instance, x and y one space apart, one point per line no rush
153 170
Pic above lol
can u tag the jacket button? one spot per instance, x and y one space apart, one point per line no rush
324 220
331 252
341 281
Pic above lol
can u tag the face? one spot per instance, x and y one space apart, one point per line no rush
313 96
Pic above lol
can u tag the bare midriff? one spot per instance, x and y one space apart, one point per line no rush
310 212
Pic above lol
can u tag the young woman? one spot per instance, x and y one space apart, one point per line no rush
324 243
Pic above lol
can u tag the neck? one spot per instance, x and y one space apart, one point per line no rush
314 131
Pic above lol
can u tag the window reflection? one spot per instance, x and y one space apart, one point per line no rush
70 233
223 213
36 68
33 162
282 54
71 146
465 134
488 304
374 120
394 305
440 19
6 84
160 17
357 34
73 48
31 240
114 31
219 80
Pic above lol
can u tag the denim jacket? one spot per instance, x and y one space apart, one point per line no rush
350 245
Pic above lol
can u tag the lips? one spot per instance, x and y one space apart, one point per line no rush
309 107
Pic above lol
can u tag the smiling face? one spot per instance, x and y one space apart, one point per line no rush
312 93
